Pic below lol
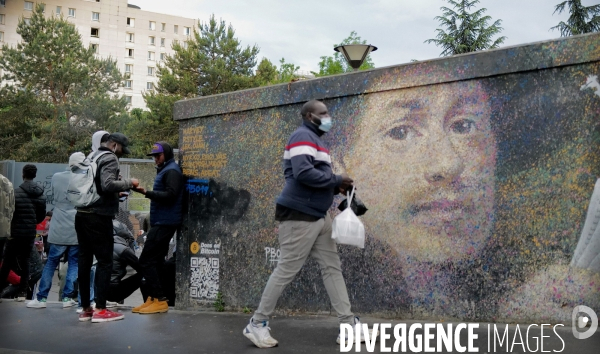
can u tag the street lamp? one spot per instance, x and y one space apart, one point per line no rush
355 54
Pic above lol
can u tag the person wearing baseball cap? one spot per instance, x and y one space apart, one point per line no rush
165 219
120 144
94 228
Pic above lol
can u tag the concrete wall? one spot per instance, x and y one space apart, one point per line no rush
477 169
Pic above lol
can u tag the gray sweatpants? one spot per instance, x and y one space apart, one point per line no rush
298 240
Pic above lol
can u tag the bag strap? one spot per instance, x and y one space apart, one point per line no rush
97 154
351 196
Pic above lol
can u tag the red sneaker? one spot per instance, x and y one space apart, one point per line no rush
86 315
106 316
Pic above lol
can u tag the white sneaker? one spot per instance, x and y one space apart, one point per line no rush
260 335
362 337
68 302
35 304
111 304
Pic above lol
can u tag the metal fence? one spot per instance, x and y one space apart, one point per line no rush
131 212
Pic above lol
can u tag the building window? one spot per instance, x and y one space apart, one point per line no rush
162 42
43 8
130 37
71 12
129 68
175 29
149 85
130 22
128 84
163 27
151 40
152 25
27 21
94 46
175 41
95 32
2 19
187 31
58 10
2 2
162 56
128 100
150 71
129 53
1 36
185 44
150 55
28 5
95 16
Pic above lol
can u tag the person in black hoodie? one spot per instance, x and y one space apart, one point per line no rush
123 256
30 210
165 218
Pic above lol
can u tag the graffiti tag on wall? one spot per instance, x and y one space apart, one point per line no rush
272 255
198 161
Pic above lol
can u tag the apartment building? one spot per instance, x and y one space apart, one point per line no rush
139 40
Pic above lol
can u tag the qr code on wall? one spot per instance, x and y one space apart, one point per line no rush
205 278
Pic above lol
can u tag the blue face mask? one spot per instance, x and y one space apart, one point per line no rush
326 123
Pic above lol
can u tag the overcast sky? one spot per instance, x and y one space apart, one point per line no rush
301 31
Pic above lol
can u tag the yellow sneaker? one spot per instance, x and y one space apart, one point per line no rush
156 307
148 302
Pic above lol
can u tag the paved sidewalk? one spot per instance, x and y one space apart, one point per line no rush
57 330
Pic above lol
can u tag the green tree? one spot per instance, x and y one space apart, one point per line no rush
58 93
212 61
336 64
578 20
266 73
287 71
466 31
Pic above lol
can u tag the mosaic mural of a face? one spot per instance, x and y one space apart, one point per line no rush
424 162
477 193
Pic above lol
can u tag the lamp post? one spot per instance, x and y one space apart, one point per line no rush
355 54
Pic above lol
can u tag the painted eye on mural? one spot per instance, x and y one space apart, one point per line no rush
402 132
462 126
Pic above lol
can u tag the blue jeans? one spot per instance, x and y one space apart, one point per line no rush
54 255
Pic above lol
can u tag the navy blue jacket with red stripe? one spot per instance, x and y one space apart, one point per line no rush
309 180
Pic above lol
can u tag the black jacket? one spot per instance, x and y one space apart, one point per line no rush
172 180
108 185
123 255
30 209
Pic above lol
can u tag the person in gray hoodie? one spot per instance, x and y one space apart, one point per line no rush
62 239
30 210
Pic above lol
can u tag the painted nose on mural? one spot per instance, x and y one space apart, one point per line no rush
444 165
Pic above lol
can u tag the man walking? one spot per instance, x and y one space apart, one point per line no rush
165 218
30 210
95 229
62 239
305 226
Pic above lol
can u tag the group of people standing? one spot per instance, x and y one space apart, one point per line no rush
90 237
302 210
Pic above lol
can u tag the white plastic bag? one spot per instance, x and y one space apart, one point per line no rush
347 227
